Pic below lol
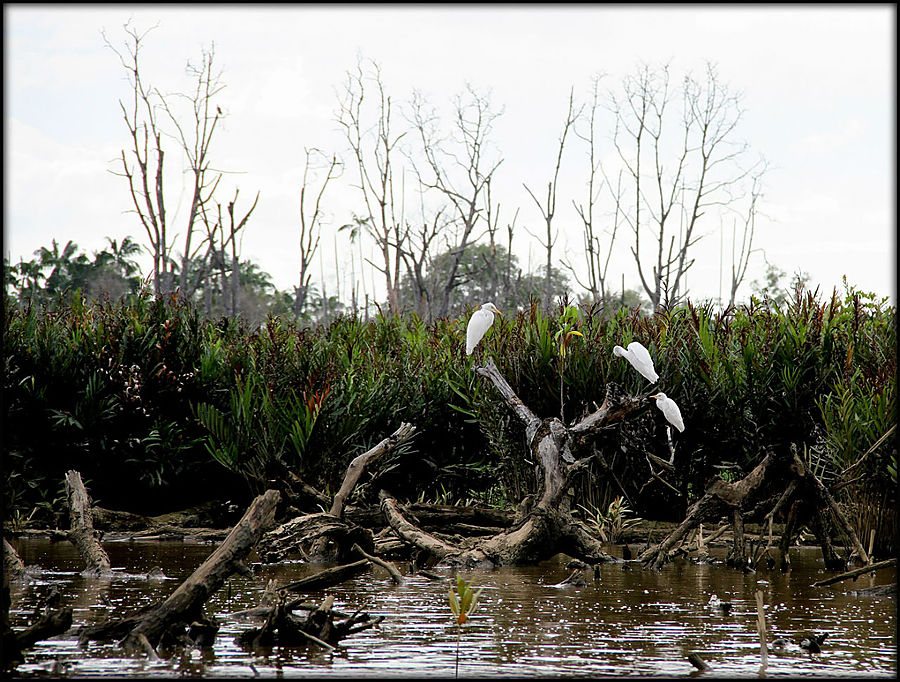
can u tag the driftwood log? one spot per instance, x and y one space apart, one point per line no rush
781 481
386 565
327 577
887 563
546 526
330 537
81 531
290 538
170 621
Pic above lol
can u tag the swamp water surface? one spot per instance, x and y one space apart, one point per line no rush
628 622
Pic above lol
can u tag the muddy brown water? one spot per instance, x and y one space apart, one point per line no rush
627 622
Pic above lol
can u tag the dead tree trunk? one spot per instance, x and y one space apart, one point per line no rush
548 527
359 464
779 481
13 568
165 622
82 533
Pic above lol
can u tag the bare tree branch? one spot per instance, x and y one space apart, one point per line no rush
548 209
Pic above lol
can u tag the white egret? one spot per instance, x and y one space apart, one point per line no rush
640 359
670 410
478 324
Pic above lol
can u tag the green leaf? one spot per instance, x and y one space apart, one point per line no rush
454 602
474 603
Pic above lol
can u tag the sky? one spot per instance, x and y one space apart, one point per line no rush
817 87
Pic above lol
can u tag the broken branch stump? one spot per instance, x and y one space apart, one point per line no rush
354 471
386 565
360 462
82 533
13 568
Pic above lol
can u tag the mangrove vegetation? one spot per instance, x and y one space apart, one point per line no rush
161 408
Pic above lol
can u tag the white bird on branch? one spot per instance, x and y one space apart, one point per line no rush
640 359
670 410
479 323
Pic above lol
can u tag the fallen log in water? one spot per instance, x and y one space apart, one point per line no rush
327 578
290 538
166 622
889 590
856 572
82 533
437 516
52 622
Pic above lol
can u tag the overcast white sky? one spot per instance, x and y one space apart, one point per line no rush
818 86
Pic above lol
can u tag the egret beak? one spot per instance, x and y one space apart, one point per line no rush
655 395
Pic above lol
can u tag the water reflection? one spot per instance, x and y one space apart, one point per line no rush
627 622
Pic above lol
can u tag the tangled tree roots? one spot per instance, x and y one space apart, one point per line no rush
780 481
546 527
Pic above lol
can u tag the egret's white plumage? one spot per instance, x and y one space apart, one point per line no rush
640 359
478 324
670 410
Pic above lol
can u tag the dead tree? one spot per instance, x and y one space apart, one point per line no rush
781 482
310 224
144 167
168 622
457 170
680 167
740 262
221 239
82 533
597 258
331 536
548 210
546 527
373 147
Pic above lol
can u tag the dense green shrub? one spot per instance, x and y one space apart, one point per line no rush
147 399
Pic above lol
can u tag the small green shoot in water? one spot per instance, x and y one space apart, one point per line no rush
463 602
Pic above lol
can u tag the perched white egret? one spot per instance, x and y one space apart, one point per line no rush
669 409
640 359
478 324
